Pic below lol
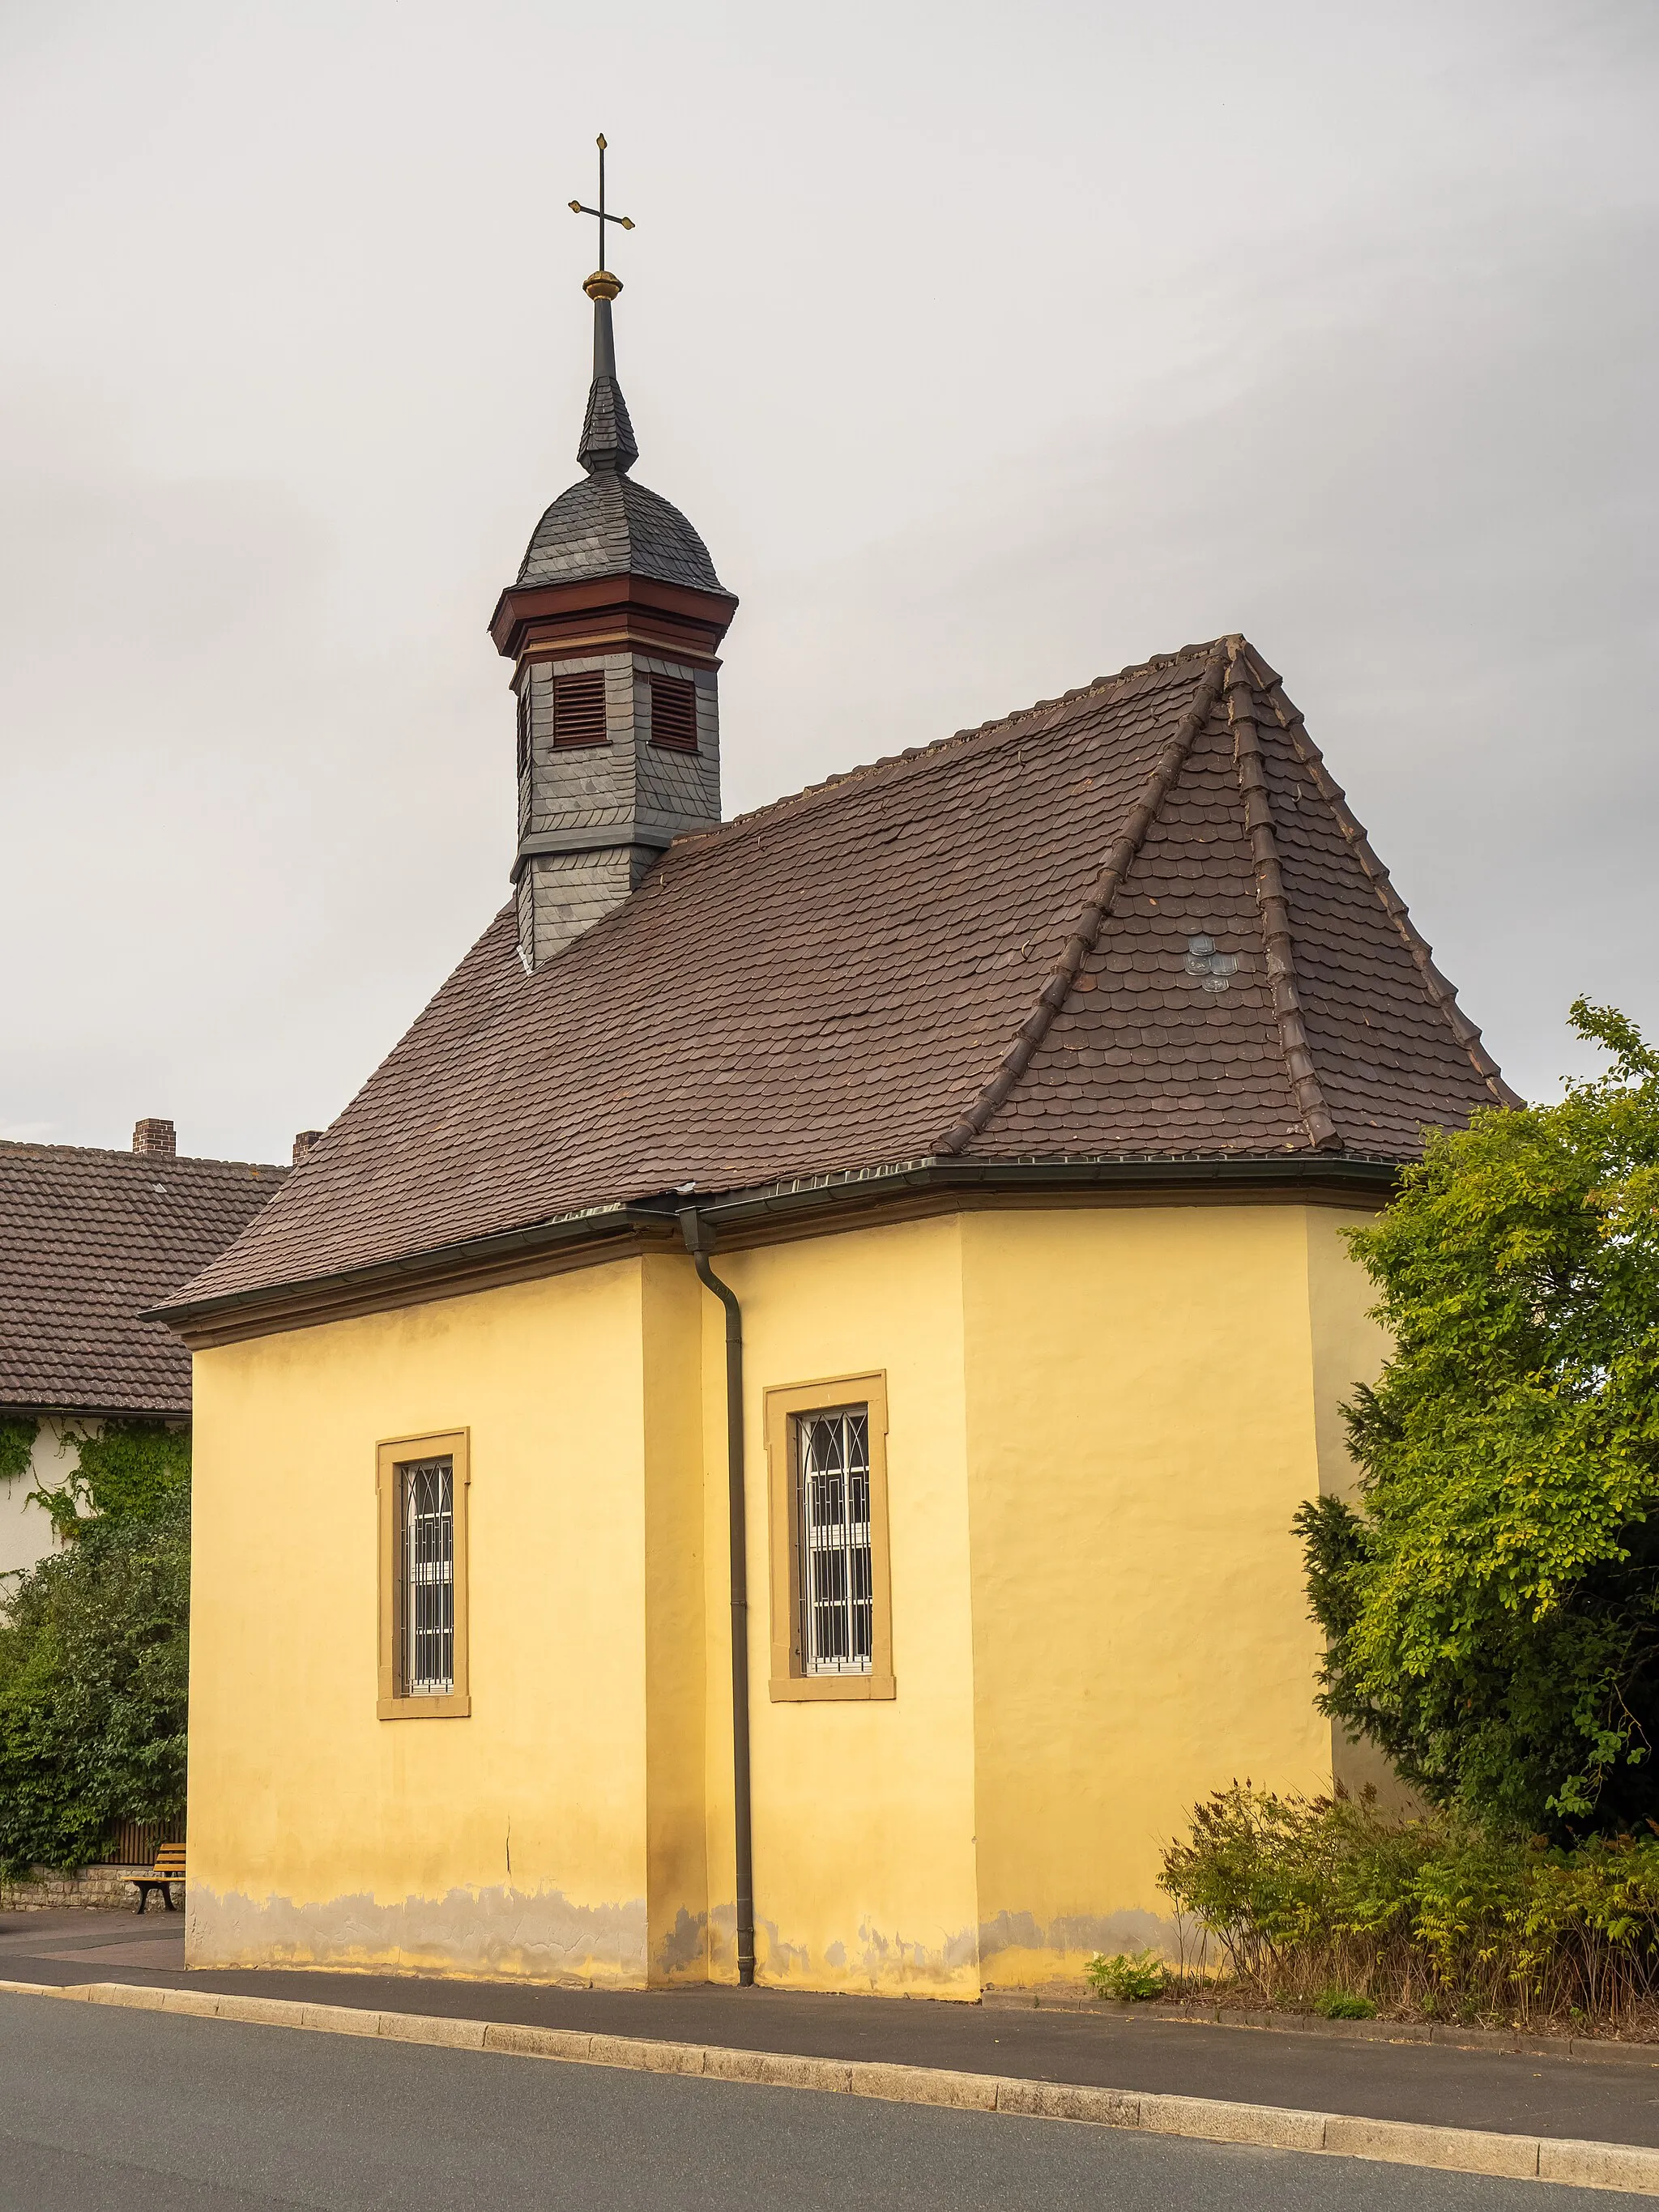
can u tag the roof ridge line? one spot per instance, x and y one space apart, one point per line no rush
959 736
126 1152
1036 1026
1441 994
1311 1100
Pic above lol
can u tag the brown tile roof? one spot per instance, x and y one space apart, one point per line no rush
88 1240
1136 921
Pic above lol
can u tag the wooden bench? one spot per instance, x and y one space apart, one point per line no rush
169 1869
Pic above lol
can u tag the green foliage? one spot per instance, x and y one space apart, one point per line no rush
94 1677
1129 1978
126 1473
1491 1611
1312 1897
1341 2004
17 1447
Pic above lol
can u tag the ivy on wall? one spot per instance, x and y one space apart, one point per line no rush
16 1446
125 1472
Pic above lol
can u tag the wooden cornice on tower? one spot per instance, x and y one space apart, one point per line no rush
587 615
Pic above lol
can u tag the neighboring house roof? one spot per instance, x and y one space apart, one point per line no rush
88 1240
1136 923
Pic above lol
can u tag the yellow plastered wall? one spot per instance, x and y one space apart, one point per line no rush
1142 1425
518 1840
1101 1421
863 1812
1349 1344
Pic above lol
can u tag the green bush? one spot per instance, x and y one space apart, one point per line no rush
1492 1608
1308 1896
1339 2004
1129 1979
93 1683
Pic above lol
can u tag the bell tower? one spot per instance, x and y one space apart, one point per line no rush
613 627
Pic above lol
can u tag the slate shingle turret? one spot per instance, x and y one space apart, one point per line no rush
616 612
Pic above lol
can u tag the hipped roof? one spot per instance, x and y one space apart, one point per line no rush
1136 923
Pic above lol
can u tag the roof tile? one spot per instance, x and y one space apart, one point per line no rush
860 974
93 1238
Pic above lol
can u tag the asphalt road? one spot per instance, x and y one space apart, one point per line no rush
104 2110
1505 2092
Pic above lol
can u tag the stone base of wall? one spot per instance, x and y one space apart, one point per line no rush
95 1889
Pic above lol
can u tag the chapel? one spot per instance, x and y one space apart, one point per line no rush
762 1446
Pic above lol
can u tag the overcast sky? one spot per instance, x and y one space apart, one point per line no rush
990 347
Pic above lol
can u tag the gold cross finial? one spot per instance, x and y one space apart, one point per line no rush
611 285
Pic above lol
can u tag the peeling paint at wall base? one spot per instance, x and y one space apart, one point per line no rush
944 1964
499 1933
1018 1951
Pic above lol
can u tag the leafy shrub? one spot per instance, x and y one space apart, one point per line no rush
1306 1896
1130 1978
94 1681
1492 1610
1341 2005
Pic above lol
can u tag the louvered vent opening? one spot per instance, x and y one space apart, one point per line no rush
579 708
524 728
674 714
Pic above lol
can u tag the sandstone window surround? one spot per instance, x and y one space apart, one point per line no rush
423 1484
832 1629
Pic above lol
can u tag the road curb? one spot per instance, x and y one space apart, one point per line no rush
1629 2167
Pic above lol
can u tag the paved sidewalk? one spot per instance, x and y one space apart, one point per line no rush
1510 2093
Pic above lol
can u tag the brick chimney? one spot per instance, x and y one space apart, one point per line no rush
303 1142
152 1136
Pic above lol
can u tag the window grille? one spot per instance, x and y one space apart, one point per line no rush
579 708
674 714
832 1488
426 1503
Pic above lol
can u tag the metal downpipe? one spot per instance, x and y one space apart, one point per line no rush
697 1243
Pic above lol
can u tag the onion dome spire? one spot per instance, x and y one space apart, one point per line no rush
608 524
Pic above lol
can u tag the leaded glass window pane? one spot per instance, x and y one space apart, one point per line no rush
427 1547
832 1490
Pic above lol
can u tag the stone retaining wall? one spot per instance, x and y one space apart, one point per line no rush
96 1889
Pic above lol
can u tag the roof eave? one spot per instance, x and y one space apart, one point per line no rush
589 1235
1290 1174
64 1409
595 1223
